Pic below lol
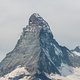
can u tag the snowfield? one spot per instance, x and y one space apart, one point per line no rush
74 76
19 71
76 53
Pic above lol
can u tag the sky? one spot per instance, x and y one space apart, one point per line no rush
63 17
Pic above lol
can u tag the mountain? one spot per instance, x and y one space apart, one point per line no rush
39 52
76 57
77 49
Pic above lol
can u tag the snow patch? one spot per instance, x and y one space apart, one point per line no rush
74 76
17 72
57 51
76 53
22 70
66 70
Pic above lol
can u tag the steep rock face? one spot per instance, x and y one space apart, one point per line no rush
76 56
36 50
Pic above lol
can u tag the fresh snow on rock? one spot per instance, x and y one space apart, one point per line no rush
19 71
57 50
22 70
76 53
74 76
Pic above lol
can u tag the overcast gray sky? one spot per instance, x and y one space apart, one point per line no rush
62 15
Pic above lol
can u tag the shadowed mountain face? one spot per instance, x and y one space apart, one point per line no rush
76 57
37 50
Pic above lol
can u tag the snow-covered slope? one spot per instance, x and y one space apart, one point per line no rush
17 74
74 76
76 51
20 73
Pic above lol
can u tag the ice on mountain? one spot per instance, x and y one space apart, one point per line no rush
57 51
76 53
65 70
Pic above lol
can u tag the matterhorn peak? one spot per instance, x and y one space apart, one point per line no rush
37 20
38 52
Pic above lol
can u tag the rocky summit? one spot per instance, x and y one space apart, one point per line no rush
38 51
